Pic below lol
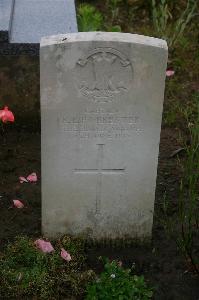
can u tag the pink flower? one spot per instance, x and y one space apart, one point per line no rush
6 115
32 177
22 179
65 255
18 204
170 73
44 246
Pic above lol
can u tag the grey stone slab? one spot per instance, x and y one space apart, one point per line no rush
101 109
33 19
6 9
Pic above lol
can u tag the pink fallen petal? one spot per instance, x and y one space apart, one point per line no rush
22 179
170 73
6 115
18 204
44 246
32 177
65 255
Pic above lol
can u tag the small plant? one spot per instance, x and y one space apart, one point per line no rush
118 284
114 7
160 15
170 115
113 28
183 21
111 23
89 18
163 20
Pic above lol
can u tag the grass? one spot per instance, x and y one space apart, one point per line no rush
166 26
25 271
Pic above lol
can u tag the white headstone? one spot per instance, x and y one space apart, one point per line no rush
101 109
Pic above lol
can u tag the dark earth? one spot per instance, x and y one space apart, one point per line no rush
162 265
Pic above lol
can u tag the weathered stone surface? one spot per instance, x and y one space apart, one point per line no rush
33 19
23 23
101 109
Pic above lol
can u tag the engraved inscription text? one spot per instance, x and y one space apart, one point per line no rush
105 125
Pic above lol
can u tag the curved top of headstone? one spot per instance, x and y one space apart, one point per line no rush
103 36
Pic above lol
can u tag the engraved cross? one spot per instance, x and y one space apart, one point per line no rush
99 171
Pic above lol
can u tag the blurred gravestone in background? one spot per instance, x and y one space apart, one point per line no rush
24 22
